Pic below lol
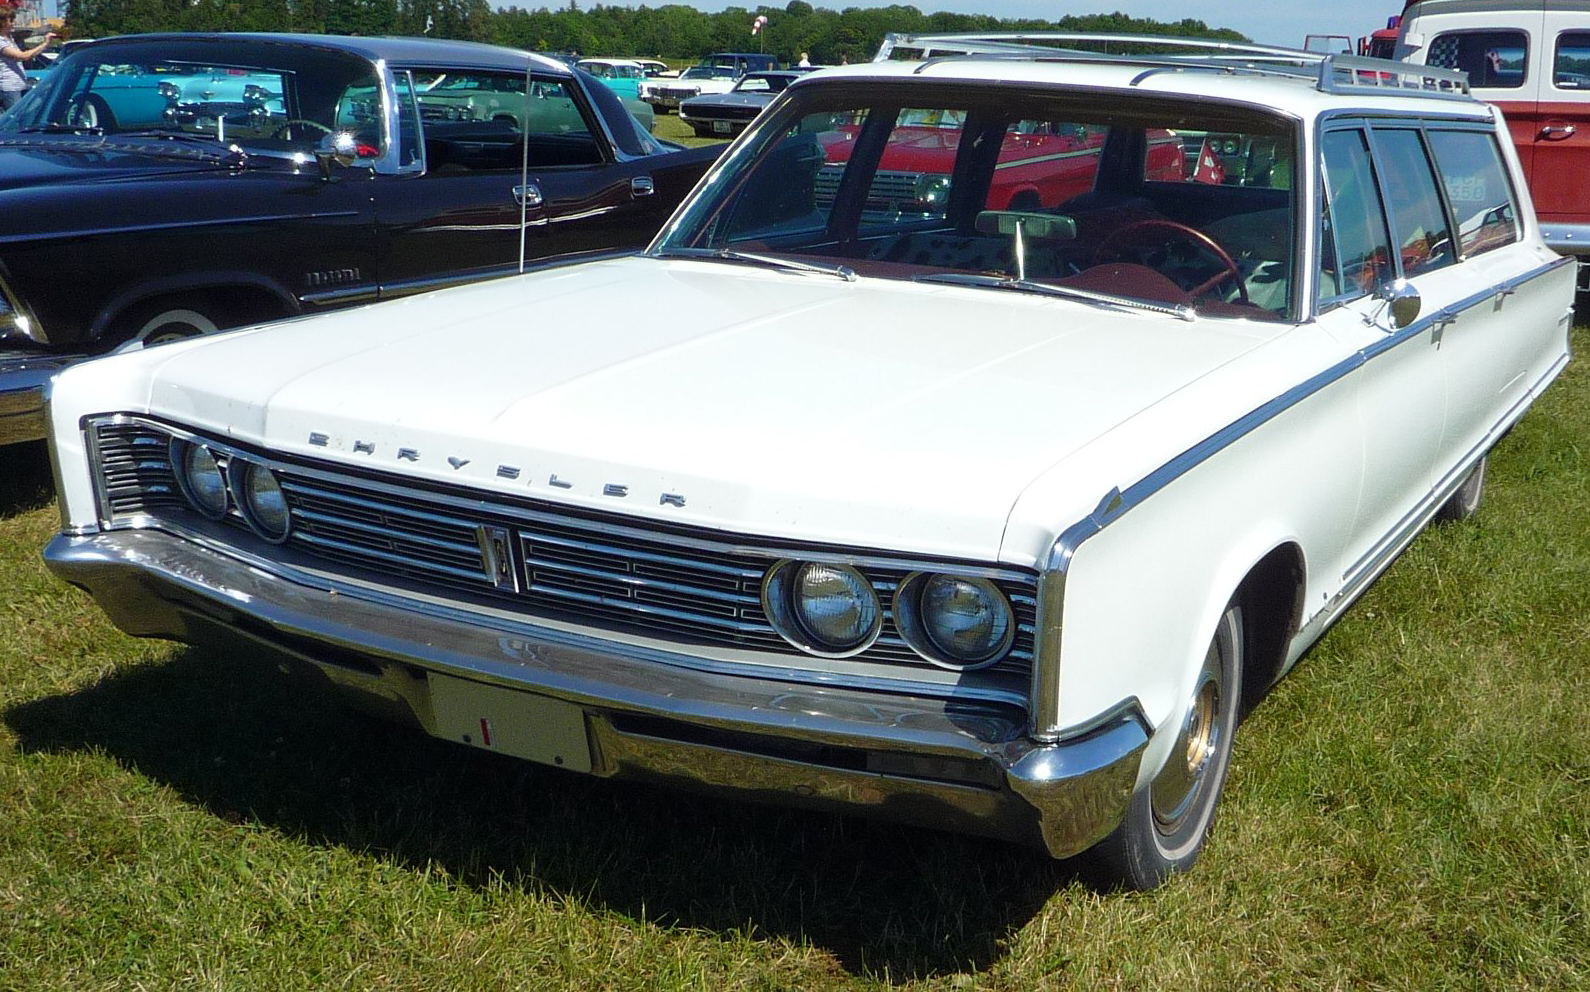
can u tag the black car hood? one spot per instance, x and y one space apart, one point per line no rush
27 160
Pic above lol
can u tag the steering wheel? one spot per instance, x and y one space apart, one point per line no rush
1141 233
281 132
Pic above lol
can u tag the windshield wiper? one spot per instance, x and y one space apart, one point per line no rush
204 141
1180 310
844 272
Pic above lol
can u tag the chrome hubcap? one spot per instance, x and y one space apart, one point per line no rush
1183 780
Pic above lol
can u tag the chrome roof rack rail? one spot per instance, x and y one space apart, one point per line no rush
1328 73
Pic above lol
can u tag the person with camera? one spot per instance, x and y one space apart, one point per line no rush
13 70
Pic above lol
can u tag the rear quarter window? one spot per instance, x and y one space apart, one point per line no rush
1477 187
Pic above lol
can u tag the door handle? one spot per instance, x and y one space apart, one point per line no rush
1557 132
641 186
529 195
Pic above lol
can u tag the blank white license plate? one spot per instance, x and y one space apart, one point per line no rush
722 127
522 724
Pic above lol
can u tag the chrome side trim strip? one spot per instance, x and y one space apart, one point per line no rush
1045 708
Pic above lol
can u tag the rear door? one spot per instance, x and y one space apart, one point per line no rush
1560 166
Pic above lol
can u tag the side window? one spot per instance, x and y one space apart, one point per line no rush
1042 164
1571 67
477 121
1417 214
1358 224
359 114
1219 158
1477 188
1494 59
410 143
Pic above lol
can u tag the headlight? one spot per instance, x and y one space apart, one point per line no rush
263 502
199 477
953 620
822 609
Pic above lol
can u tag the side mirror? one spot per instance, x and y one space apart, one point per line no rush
343 150
1402 301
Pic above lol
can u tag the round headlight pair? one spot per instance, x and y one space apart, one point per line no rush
827 610
210 489
954 621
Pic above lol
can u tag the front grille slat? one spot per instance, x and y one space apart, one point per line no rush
598 570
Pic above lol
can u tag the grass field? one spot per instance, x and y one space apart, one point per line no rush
1408 810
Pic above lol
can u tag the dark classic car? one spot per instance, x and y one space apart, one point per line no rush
159 186
724 114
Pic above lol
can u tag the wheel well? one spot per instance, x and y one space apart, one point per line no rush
1272 608
229 306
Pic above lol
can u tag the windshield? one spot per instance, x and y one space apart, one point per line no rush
1170 202
708 72
293 102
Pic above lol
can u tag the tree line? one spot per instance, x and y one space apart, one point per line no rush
671 31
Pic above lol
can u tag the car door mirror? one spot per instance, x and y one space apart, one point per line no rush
1402 303
340 148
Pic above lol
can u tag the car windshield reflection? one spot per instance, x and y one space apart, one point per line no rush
1183 207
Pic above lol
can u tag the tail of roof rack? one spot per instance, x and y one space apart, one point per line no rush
1329 73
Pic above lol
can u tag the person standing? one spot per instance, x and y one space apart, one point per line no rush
805 62
13 74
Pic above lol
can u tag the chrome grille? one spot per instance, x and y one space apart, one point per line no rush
602 570
135 469
890 192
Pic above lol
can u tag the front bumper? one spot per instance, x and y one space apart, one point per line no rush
23 376
959 765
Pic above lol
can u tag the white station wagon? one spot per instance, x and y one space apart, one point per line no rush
1027 413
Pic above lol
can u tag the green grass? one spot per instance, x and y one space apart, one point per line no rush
670 128
1407 811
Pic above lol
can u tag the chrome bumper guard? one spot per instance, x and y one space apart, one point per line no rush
959 765
1571 239
23 376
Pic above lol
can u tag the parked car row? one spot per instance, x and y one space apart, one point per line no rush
1034 412
162 186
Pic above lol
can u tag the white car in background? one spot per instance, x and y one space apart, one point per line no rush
1036 411
666 94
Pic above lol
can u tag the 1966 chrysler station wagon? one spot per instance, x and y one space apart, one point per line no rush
985 518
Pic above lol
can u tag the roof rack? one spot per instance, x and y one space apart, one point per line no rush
1329 73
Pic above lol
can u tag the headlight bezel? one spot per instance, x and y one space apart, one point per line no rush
783 613
241 472
914 629
177 451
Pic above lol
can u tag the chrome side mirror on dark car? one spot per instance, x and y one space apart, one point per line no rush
340 148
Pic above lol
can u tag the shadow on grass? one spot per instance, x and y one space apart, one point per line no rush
25 482
230 734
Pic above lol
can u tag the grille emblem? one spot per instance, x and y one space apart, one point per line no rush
496 557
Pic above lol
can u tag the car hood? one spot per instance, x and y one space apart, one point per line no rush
877 412
27 161
731 100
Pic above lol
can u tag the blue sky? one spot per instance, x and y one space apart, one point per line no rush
1280 22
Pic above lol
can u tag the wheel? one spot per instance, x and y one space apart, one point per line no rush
1168 821
93 112
165 326
1141 235
1465 502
